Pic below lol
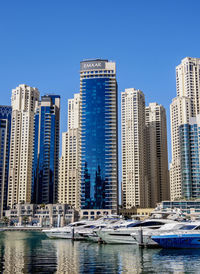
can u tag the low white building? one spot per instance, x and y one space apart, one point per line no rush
43 215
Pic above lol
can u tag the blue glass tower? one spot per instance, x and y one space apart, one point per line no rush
5 129
190 158
99 142
46 150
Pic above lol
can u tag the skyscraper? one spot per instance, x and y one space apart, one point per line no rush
69 177
156 151
46 150
135 188
5 130
190 158
24 99
184 106
99 142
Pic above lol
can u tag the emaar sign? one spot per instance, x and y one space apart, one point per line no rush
92 65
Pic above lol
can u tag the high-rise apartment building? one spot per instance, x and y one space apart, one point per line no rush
184 106
157 155
135 189
190 158
99 142
24 99
69 177
46 150
5 130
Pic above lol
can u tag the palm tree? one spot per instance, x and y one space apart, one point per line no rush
25 219
42 206
6 220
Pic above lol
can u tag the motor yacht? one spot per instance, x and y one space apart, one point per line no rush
65 232
72 230
89 232
143 236
187 236
122 234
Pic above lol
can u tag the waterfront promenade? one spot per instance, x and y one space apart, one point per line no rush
24 228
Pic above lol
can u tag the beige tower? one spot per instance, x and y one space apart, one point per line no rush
135 191
69 183
186 105
188 82
24 99
157 155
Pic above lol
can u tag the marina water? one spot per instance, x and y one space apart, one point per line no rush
33 252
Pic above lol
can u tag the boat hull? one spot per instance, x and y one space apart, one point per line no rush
59 235
178 241
114 237
147 241
93 238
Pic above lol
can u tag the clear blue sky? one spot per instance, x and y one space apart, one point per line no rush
43 41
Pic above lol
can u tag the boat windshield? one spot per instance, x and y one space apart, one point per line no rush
89 226
131 225
187 227
150 223
76 224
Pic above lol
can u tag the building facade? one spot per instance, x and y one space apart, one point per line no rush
40 214
136 213
69 179
24 100
135 187
5 130
98 133
184 106
46 150
157 155
73 120
187 207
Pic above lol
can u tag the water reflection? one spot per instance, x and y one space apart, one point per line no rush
13 254
31 252
26 252
67 256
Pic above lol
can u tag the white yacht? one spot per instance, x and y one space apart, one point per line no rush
65 232
72 230
122 234
89 232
